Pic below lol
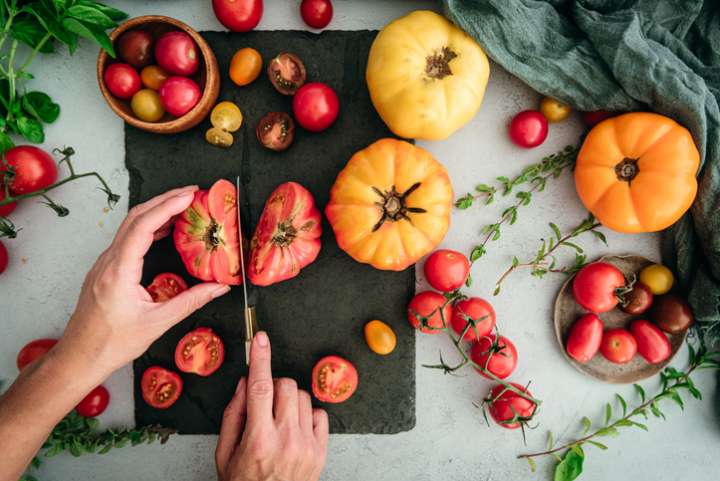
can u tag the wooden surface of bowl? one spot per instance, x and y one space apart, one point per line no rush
207 77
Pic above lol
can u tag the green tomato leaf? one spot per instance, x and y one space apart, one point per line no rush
41 106
597 444
531 463
586 423
571 466
31 129
622 403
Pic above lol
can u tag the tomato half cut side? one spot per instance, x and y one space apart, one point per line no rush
200 352
334 379
165 286
33 350
160 387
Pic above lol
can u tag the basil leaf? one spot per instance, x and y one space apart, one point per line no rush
571 466
91 15
31 129
6 142
28 30
91 32
41 106
48 18
111 12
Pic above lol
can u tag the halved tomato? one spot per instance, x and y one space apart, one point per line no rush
206 235
334 379
200 351
160 387
287 236
33 350
165 286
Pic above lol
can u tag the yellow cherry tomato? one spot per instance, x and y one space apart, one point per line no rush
226 116
219 137
245 66
380 337
146 105
658 278
153 77
554 110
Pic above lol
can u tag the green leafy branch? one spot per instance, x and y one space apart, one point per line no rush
545 258
570 455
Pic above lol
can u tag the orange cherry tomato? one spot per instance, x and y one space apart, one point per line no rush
554 110
380 337
245 66
153 77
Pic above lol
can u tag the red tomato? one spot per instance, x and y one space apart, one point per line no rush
638 300
585 338
446 270
178 95
592 118
206 235
497 355
316 13
287 236
315 106
528 129
160 388
3 258
95 403
200 351
34 169
334 379
165 286
595 286
509 409
477 309
122 80
6 209
651 341
429 304
618 346
33 350
238 15
176 53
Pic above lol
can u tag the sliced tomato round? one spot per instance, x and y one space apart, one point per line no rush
200 352
334 379
95 403
165 286
34 350
160 387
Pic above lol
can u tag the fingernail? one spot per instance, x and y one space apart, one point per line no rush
185 195
220 291
241 385
262 339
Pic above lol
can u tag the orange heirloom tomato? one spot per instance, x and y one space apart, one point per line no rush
390 205
636 172
245 66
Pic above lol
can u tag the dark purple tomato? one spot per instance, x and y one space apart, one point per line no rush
638 300
135 48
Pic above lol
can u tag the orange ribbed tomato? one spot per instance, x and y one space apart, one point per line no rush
390 205
636 172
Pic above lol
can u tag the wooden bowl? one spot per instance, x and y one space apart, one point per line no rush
207 77
567 311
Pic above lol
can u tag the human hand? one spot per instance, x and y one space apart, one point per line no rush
270 431
115 320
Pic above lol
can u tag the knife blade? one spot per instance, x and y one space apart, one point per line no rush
248 311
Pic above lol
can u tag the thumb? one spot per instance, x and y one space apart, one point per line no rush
189 301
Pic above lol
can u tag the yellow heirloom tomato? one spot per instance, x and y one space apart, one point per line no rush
426 77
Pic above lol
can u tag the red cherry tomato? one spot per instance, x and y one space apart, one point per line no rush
334 379
165 286
593 118
33 350
6 209
508 408
528 129
585 338
497 355
651 341
476 309
446 270
160 388
34 169
122 80
315 106
618 346
95 403
176 53
179 95
238 15
429 304
316 13
3 258
200 351
595 286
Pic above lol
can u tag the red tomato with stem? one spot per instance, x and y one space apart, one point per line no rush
638 300
3 258
507 408
6 209
165 286
446 270
34 169
177 53
618 346
206 235
95 403
122 80
431 305
316 13
652 344
495 354
178 95
287 236
315 106
528 129
200 351
597 285
238 15
585 337
33 350
160 388
334 379
476 309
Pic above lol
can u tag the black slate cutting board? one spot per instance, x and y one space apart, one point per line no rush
324 309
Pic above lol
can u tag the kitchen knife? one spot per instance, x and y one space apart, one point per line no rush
248 311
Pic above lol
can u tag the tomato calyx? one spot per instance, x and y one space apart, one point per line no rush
627 169
287 73
437 65
393 205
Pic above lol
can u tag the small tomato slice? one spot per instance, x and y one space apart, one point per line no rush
473 309
428 310
286 73
200 351
95 403
33 350
165 286
275 131
334 379
219 137
496 355
226 116
160 387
